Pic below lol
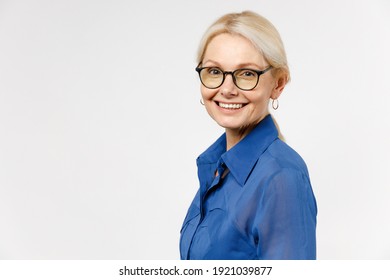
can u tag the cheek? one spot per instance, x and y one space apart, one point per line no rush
260 103
207 93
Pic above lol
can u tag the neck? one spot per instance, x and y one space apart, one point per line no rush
233 136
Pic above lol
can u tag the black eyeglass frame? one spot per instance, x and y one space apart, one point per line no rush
258 72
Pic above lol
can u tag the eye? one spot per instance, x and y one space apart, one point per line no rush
214 71
249 73
245 73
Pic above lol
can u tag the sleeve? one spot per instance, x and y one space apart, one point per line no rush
285 223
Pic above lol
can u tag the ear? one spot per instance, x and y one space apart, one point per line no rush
280 83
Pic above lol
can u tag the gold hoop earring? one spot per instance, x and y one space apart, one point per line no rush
275 106
201 101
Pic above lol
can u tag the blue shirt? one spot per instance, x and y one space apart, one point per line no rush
263 207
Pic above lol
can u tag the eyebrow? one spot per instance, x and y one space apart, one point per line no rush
239 66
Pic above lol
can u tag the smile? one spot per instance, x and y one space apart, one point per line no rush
230 106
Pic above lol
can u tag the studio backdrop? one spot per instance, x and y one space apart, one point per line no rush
100 122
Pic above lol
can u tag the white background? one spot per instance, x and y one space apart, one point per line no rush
100 122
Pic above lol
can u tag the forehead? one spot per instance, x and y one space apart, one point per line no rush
229 50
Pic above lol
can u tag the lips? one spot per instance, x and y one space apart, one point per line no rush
231 106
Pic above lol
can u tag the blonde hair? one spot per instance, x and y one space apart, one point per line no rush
257 30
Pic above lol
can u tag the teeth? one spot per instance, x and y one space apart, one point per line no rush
230 106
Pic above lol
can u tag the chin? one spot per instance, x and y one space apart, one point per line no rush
230 125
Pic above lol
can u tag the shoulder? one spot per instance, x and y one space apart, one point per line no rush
281 176
283 157
288 177
281 163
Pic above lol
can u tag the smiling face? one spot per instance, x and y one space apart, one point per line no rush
238 111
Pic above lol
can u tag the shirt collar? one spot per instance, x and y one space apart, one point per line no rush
243 156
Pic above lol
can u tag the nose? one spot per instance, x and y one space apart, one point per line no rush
228 88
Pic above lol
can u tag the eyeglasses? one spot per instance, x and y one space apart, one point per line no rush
244 79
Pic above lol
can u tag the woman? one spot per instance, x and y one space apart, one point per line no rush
255 200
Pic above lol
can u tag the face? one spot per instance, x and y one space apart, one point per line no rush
232 108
